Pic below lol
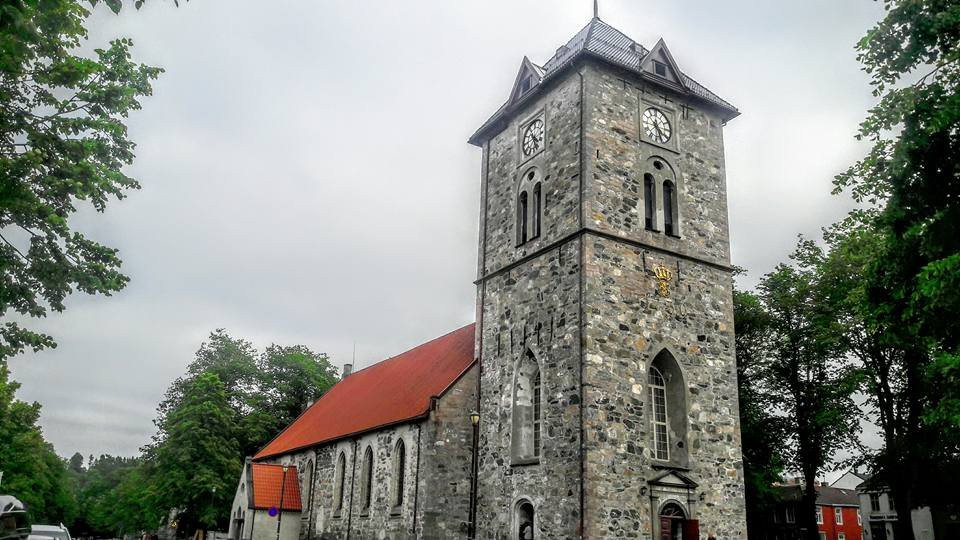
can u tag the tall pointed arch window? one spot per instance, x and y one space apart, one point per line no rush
669 208
530 201
366 480
400 473
668 410
338 483
527 410
649 203
658 413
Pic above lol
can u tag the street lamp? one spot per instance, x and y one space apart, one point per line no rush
283 482
472 526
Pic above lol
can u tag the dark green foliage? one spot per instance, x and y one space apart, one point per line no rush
63 143
761 431
31 469
796 387
199 460
911 290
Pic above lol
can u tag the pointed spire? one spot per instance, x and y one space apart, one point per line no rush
596 10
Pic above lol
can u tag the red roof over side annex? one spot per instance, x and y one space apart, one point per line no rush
396 390
268 480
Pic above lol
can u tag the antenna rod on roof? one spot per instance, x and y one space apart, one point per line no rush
596 10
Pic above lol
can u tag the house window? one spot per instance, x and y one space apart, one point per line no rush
366 479
524 520
660 68
874 502
338 484
838 515
819 515
823 535
791 514
669 208
776 515
649 204
841 536
859 519
526 411
890 502
658 402
401 470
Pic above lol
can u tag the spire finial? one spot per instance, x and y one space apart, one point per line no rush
596 10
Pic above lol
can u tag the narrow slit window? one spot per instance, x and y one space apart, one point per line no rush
522 218
401 472
367 478
658 404
537 203
536 415
669 226
338 492
648 202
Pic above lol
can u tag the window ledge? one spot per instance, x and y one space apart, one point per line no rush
523 462
365 513
396 511
337 515
666 466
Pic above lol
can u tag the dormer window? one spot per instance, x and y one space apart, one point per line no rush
660 69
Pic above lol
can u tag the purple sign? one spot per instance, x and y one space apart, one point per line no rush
273 511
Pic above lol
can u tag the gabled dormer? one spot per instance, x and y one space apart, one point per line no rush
660 64
528 77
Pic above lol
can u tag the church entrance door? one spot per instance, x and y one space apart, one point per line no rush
674 524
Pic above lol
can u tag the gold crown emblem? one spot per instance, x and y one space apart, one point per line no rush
663 279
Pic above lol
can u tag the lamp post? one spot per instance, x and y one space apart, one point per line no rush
283 482
472 526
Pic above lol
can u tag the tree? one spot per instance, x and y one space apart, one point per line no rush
761 431
63 142
291 379
912 282
807 374
30 467
198 461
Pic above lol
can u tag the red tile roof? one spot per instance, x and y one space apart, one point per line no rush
267 482
393 391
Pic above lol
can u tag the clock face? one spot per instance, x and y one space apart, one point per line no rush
655 125
533 137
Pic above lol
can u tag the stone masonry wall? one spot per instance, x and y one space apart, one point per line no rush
618 155
535 307
627 321
446 451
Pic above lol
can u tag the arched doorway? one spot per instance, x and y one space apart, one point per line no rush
524 520
673 522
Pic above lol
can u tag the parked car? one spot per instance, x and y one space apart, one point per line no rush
13 519
49 532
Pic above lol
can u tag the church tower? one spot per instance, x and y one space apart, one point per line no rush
607 390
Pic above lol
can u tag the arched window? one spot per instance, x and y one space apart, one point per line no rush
306 489
658 404
525 439
366 479
522 218
400 468
338 483
649 204
524 520
669 208
668 410
536 210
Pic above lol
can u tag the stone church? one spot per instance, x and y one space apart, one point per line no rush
596 394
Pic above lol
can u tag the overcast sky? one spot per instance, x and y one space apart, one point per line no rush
306 177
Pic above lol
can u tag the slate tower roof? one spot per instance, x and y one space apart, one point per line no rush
601 41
